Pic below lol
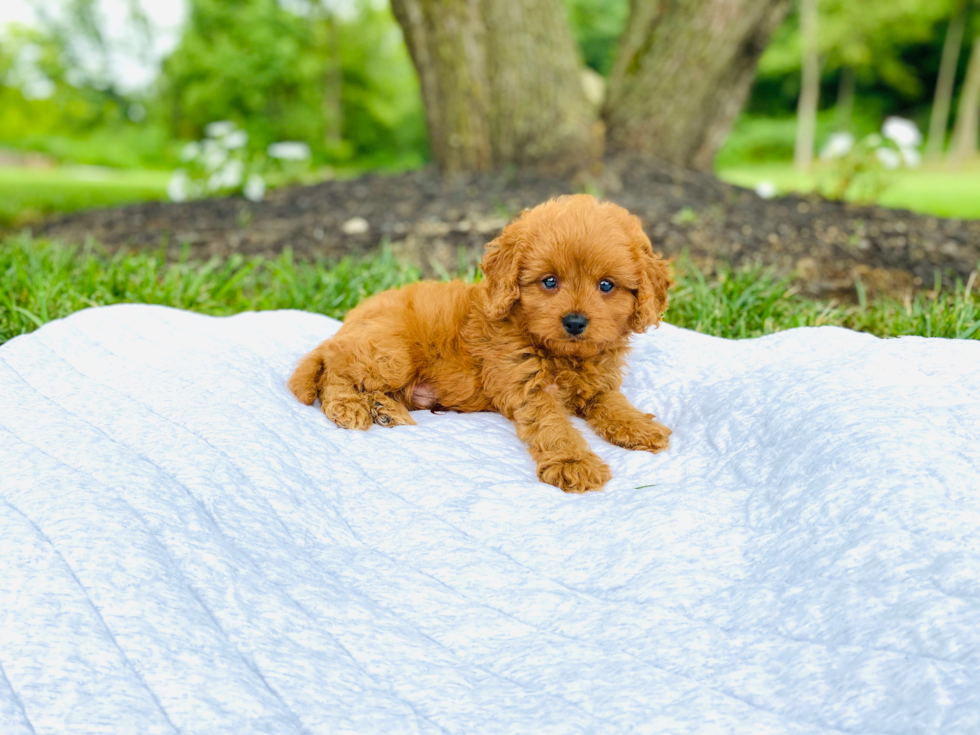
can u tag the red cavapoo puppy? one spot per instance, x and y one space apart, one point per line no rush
543 337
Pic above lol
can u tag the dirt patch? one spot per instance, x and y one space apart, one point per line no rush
431 221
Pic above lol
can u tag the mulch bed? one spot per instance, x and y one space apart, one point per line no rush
434 222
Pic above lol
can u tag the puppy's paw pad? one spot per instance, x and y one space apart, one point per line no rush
388 412
348 414
577 475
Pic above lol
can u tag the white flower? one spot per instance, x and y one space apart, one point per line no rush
902 132
219 129
289 151
837 146
888 157
190 151
594 86
912 157
766 189
228 176
235 139
214 155
254 188
355 226
178 186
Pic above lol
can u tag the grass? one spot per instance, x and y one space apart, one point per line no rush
44 280
27 194
931 190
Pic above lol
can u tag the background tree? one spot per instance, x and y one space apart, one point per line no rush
682 75
965 132
806 111
500 82
352 92
939 117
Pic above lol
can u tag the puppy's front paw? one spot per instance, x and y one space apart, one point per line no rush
576 475
651 436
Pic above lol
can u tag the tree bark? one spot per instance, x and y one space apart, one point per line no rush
939 117
967 128
501 82
806 111
845 98
333 87
682 74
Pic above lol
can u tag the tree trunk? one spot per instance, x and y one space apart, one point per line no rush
939 117
682 74
967 128
333 87
845 98
806 111
501 82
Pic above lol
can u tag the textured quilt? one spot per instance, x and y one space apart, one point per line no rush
186 548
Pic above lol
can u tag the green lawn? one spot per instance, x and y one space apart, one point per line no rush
44 281
27 193
933 190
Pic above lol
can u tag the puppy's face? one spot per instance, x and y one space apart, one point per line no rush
577 290
577 275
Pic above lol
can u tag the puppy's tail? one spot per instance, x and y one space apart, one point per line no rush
306 376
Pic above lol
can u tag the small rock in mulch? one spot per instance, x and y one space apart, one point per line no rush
433 221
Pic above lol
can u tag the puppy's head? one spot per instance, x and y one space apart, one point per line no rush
576 274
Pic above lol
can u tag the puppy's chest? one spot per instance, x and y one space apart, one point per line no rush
574 383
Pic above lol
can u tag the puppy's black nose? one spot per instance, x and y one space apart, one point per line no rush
574 323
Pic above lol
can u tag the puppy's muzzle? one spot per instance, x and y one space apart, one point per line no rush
574 323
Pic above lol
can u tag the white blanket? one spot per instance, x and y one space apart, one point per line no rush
186 548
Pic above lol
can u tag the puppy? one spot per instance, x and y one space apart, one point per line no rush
544 336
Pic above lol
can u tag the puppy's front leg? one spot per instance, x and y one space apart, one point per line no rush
563 456
619 422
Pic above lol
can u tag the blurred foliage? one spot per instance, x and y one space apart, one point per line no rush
251 62
276 72
50 109
344 84
268 69
761 138
597 26
872 38
859 175
893 48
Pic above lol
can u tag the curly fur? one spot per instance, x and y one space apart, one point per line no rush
500 345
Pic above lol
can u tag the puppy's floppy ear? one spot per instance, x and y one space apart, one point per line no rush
654 276
501 268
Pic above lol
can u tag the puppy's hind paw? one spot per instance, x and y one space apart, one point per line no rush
576 474
349 414
386 411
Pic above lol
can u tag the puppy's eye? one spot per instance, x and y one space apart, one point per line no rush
605 285
549 282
